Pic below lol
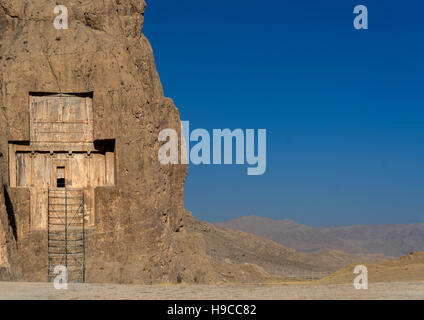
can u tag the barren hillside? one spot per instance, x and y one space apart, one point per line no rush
388 240
239 247
408 268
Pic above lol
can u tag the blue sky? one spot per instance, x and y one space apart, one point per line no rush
343 108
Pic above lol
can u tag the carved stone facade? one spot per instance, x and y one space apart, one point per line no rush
61 153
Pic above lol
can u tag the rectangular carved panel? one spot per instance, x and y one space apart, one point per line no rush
61 119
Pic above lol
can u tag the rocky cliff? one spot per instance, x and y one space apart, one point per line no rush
103 51
138 235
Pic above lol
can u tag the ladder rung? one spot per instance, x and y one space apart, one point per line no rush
71 229
66 254
61 236
67 190
57 237
64 211
74 272
69 216
70 224
70 266
69 249
68 246
65 197
73 240
52 203
71 272
61 255
58 242
62 233
65 204
72 260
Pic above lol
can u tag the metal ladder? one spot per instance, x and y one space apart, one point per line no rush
66 233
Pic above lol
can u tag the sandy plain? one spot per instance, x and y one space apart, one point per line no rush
299 291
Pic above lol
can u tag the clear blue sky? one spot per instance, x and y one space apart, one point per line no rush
344 109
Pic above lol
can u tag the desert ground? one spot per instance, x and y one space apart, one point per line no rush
400 279
377 291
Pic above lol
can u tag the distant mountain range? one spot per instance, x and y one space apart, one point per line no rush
241 248
389 240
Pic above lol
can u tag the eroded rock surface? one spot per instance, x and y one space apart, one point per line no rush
104 52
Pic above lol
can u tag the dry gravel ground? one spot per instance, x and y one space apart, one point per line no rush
396 290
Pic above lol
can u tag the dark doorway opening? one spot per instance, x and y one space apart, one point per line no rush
61 183
60 178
